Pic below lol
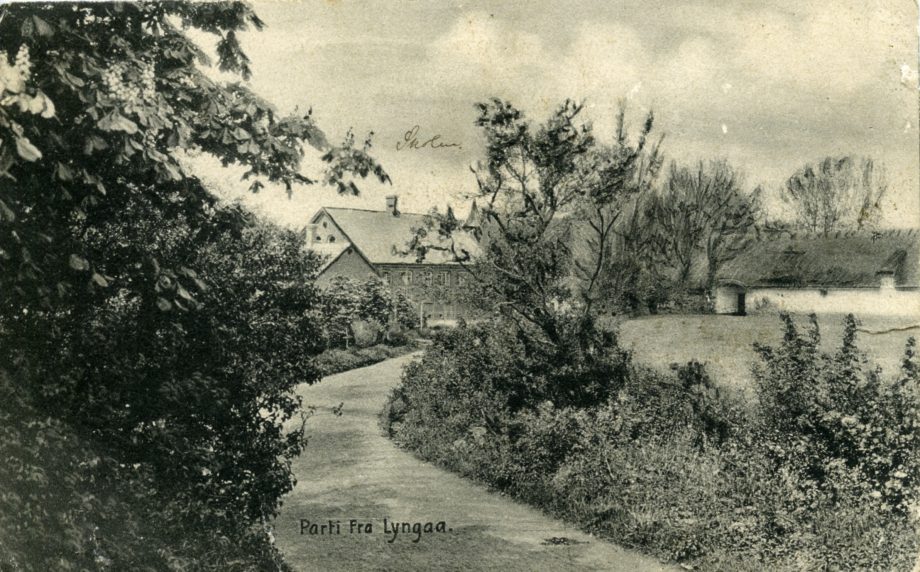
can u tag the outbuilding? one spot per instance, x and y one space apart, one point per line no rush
861 273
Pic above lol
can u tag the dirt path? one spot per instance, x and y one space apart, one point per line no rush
351 471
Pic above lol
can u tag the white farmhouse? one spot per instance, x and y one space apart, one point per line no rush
860 273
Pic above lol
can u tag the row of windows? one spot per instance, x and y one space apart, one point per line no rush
426 278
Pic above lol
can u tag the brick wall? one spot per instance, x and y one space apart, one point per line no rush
433 288
350 265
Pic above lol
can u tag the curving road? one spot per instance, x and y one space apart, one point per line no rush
351 472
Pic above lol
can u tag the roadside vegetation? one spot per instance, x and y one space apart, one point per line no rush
363 322
818 472
150 335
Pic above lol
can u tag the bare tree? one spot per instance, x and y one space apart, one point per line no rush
614 178
701 210
836 194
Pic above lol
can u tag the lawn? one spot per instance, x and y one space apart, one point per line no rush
725 343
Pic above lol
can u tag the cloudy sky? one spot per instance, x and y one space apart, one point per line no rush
768 84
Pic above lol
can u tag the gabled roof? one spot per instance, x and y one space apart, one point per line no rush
381 237
854 260
329 251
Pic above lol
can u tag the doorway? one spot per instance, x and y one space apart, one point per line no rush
740 306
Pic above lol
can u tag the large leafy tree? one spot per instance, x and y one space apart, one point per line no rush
103 93
165 329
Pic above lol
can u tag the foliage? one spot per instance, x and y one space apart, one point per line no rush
128 99
701 211
673 465
338 360
159 329
346 302
837 193
70 505
548 200
194 401
835 423
609 244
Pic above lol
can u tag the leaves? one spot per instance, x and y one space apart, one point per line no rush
27 150
78 263
117 122
91 124
6 213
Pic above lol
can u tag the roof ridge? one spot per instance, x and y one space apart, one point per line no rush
791 234
371 210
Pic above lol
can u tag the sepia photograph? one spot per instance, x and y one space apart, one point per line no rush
460 285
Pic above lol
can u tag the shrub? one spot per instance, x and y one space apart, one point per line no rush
337 360
395 337
360 310
365 333
832 420
671 464
188 396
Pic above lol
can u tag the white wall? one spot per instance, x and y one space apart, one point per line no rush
726 299
878 301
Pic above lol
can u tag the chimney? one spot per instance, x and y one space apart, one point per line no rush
391 205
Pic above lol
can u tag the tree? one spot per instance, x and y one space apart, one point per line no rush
103 92
837 193
616 179
529 178
162 327
345 301
701 211
549 195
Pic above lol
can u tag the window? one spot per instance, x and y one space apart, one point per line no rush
406 278
324 224
443 279
461 280
319 238
331 238
386 277
428 279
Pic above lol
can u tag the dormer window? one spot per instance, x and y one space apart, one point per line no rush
319 238
886 281
331 238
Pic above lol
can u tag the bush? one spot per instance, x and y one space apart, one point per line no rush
359 310
337 360
184 399
365 333
395 337
669 463
833 421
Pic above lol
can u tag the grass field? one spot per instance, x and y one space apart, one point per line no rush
725 343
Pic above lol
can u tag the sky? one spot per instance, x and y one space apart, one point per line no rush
769 85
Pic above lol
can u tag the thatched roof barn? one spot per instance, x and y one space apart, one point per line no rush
842 272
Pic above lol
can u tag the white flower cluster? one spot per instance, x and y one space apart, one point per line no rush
13 81
127 92
13 78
